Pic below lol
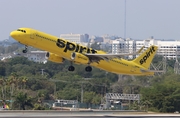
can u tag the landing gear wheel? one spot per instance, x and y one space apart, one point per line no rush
71 68
25 50
88 68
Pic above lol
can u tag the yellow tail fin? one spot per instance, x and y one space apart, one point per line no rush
146 57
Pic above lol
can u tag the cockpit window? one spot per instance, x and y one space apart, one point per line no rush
24 31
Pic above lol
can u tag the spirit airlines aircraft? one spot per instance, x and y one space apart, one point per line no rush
59 49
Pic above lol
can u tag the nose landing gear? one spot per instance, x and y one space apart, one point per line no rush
25 50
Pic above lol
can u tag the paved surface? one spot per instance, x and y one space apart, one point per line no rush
101 114
89 116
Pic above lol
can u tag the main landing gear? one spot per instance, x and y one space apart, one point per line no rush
87 69
71 68
25 49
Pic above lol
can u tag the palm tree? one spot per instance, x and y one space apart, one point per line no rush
24 80
3 82
11 84
2 85
15 80
23 100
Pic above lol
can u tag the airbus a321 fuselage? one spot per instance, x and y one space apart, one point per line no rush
59 49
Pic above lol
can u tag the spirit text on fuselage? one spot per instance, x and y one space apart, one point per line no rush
69 46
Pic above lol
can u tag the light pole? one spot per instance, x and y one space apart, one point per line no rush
42 72
82 92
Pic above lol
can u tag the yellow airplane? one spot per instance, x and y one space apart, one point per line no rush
59 49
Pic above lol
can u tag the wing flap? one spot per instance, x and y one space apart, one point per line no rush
108 57
144 71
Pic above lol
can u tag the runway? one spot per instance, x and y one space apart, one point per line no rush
96 117
86 114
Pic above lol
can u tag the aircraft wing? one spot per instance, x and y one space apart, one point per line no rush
107 57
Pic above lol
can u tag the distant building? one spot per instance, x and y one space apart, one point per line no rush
36 56
6 57
105 41
96 39
77 38
166 48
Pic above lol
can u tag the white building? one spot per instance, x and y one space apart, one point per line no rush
168 48
77 38
37 56
119 46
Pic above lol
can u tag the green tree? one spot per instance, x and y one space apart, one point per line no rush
88 98
2 70
96 99
38 107
22 100
69 93
163 94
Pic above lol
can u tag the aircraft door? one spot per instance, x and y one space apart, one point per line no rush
33 37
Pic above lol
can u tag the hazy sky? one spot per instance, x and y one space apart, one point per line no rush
144 18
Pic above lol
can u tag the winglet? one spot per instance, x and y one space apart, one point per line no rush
146 57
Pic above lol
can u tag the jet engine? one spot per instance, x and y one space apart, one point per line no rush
80 58
54 57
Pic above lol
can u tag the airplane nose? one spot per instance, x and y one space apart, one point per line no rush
13 34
